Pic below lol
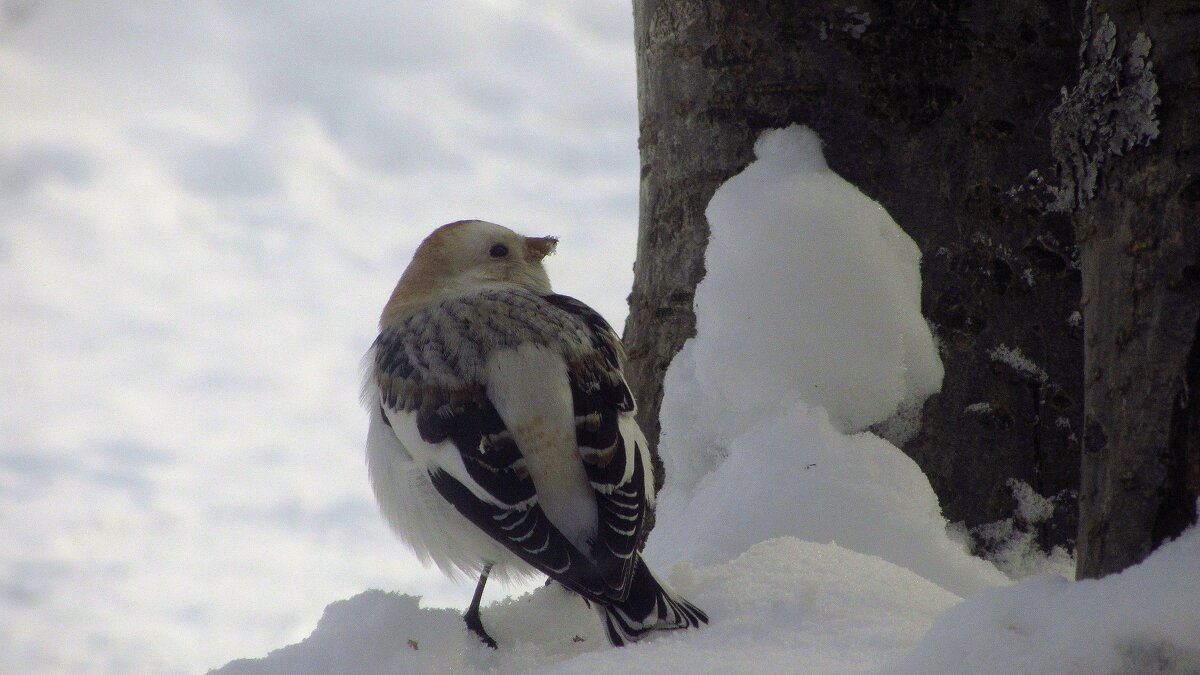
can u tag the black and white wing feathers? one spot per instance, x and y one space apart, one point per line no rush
612 447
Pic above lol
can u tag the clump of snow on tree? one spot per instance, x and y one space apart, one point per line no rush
812 292
808 329
1013 358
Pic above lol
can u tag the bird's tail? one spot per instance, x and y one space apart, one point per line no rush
650 606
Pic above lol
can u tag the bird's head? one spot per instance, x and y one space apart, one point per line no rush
467 255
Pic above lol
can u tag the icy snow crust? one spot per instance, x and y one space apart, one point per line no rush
814 546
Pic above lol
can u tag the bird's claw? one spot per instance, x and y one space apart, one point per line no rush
476 626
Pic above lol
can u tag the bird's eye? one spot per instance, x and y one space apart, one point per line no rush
499 250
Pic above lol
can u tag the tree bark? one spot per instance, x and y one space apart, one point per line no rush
1138 221
939 112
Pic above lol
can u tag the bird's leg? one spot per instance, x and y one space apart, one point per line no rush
472 616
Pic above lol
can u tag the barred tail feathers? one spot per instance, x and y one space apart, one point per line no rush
650 606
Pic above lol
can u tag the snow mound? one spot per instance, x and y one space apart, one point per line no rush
809 326
373 632
377 632
783 602
1143 620
795 475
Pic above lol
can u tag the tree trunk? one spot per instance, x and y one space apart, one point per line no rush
939 112
1138 221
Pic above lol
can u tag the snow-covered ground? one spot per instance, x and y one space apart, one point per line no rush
202 206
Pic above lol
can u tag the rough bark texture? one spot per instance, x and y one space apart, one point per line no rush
1139 231
940 112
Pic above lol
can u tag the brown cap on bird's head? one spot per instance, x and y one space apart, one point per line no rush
465 255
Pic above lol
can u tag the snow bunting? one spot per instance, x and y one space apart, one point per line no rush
502 433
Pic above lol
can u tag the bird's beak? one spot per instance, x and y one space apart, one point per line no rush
540 247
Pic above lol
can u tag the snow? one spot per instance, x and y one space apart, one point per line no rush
1011 543
795 475
1031 506
783 601
830 314
1015 359
1143 620
824 338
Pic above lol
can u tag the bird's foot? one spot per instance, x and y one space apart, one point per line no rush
475 625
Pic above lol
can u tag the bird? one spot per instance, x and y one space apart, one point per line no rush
502 435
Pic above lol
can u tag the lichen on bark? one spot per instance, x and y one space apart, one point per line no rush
1108 112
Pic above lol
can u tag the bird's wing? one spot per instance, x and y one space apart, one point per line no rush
614 451
429 373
